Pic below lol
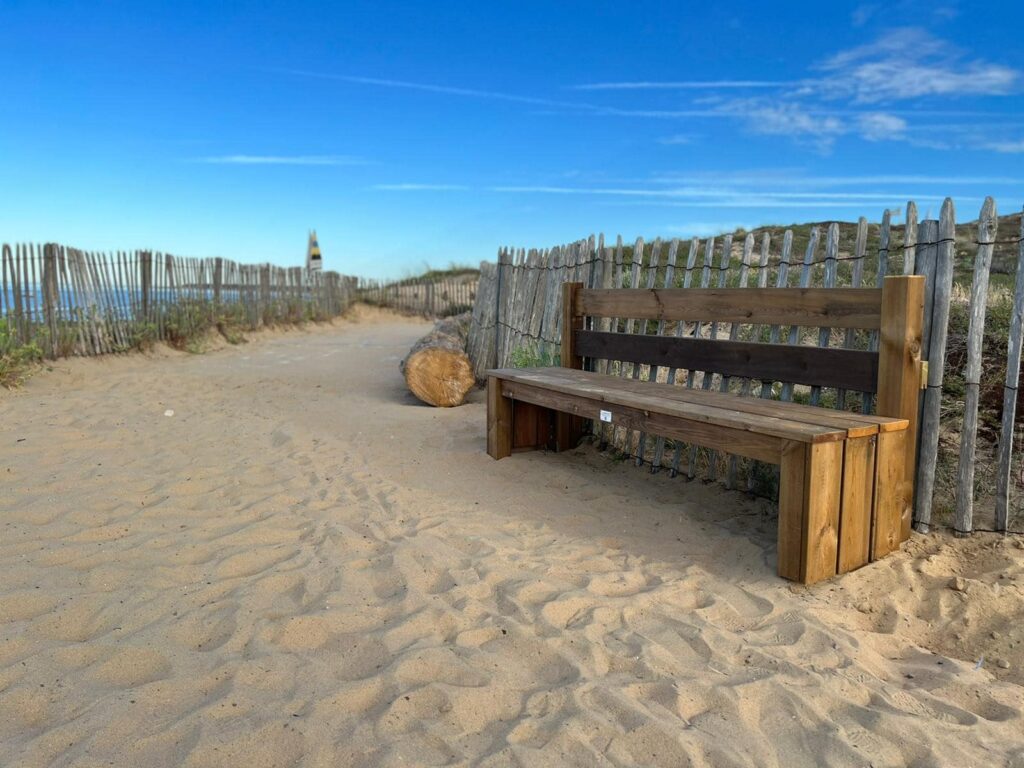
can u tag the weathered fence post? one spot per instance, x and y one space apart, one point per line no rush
264 309
987 227
218 279
1010 393
504 264
51 299
935 261
145 281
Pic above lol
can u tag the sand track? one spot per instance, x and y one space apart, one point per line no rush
303 566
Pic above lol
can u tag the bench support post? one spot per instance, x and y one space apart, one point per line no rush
810 490
858 501
899 372
892 510
499 420
569 428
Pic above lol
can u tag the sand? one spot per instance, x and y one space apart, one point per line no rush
304 566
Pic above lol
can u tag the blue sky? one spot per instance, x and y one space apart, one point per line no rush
412 133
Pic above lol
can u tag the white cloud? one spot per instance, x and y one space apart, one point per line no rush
862 14
786 118
283 160
677 139
1008 147
908 63
879 126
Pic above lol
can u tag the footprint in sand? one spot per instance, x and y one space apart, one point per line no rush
252 562
24 605
129 667
622 584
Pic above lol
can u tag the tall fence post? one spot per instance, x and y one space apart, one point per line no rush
218 279
51 300
145 281
987 227
935 261
504 263
1010 393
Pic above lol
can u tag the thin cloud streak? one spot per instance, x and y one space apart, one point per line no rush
447 90
681 85
791 180
282 160
412 187
712 193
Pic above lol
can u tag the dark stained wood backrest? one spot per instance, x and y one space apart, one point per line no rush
890 310
810 307
841 368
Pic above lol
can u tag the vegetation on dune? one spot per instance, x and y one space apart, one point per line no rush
453 270
187 326
16 359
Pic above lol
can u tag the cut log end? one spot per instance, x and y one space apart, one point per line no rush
438 370
439 377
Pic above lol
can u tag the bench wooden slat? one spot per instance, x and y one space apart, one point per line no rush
608 389
807 307
858 497
815 366
855 424
756 445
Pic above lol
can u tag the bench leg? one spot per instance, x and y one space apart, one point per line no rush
892 507
856 510
499 420
810 486
568 431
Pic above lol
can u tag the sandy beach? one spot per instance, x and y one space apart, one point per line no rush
272 555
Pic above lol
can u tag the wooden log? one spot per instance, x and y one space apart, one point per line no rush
437 369
988 222
1010 386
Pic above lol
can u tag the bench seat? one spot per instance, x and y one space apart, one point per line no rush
839 498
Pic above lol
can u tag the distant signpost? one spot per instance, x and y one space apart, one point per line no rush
313 260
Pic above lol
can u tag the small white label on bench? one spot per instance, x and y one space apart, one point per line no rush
606 416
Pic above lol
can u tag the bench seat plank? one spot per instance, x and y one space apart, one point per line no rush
856 424
608 389
756 445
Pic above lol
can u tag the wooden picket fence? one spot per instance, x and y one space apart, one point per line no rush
427 296
967 453
73 302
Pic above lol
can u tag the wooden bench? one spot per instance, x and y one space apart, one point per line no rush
846 479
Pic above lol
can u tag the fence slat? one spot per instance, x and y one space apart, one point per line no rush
1013 355
935 244
988 223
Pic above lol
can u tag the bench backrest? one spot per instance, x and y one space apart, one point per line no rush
895 311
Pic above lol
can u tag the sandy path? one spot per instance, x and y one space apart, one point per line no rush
302 566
